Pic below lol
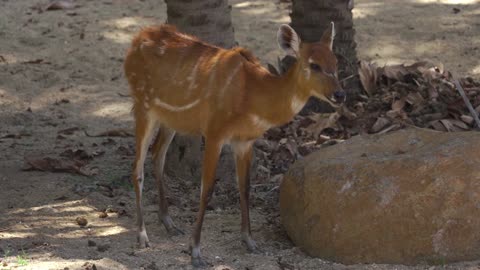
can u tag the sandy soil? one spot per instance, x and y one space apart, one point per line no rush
63 69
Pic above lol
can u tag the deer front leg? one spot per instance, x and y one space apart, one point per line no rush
210 159
243 156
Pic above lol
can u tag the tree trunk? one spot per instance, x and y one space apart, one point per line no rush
311 18
209 20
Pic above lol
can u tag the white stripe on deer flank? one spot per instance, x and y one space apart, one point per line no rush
212 76
192 78
172 108
229 81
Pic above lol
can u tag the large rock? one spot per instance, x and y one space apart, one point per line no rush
408 197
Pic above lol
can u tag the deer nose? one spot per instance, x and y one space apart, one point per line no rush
340 96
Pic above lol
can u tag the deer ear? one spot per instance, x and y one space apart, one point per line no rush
288 40
328 36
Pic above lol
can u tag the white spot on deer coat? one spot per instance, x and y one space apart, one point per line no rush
161 49
261 122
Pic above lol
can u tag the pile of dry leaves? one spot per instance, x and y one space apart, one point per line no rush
397 96
422 95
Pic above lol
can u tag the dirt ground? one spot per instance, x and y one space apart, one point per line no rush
61 75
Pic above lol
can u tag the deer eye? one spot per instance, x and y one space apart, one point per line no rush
315 67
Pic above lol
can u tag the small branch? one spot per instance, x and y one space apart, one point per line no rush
388 129
348 78
467 102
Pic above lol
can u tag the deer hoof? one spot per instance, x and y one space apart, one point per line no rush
143 240
170 226
198 262
252 246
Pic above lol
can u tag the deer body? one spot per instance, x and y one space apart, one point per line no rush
180 84
207 85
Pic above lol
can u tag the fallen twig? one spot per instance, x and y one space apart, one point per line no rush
388 129
467 102
348 78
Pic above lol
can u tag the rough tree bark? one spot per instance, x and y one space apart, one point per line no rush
209 20
311 18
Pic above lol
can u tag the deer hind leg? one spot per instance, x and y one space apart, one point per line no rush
243 156
160 147
144 130
210 160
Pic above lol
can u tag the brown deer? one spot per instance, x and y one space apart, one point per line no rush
181 84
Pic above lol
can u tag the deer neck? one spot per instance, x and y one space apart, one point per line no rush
284 95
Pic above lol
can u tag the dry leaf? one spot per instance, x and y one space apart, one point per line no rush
80 154
431 116
429 70
447 124
467 119
344 111
15 136
56 165
433 92
292 148
125 151
59 5
395 72
68 131
437 125
113 133
379 124
322 121
36 61
459 124
414 98
368 76
398 104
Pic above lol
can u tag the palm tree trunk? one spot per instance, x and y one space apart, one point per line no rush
311 18
209 20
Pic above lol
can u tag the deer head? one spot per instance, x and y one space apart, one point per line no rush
316 63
